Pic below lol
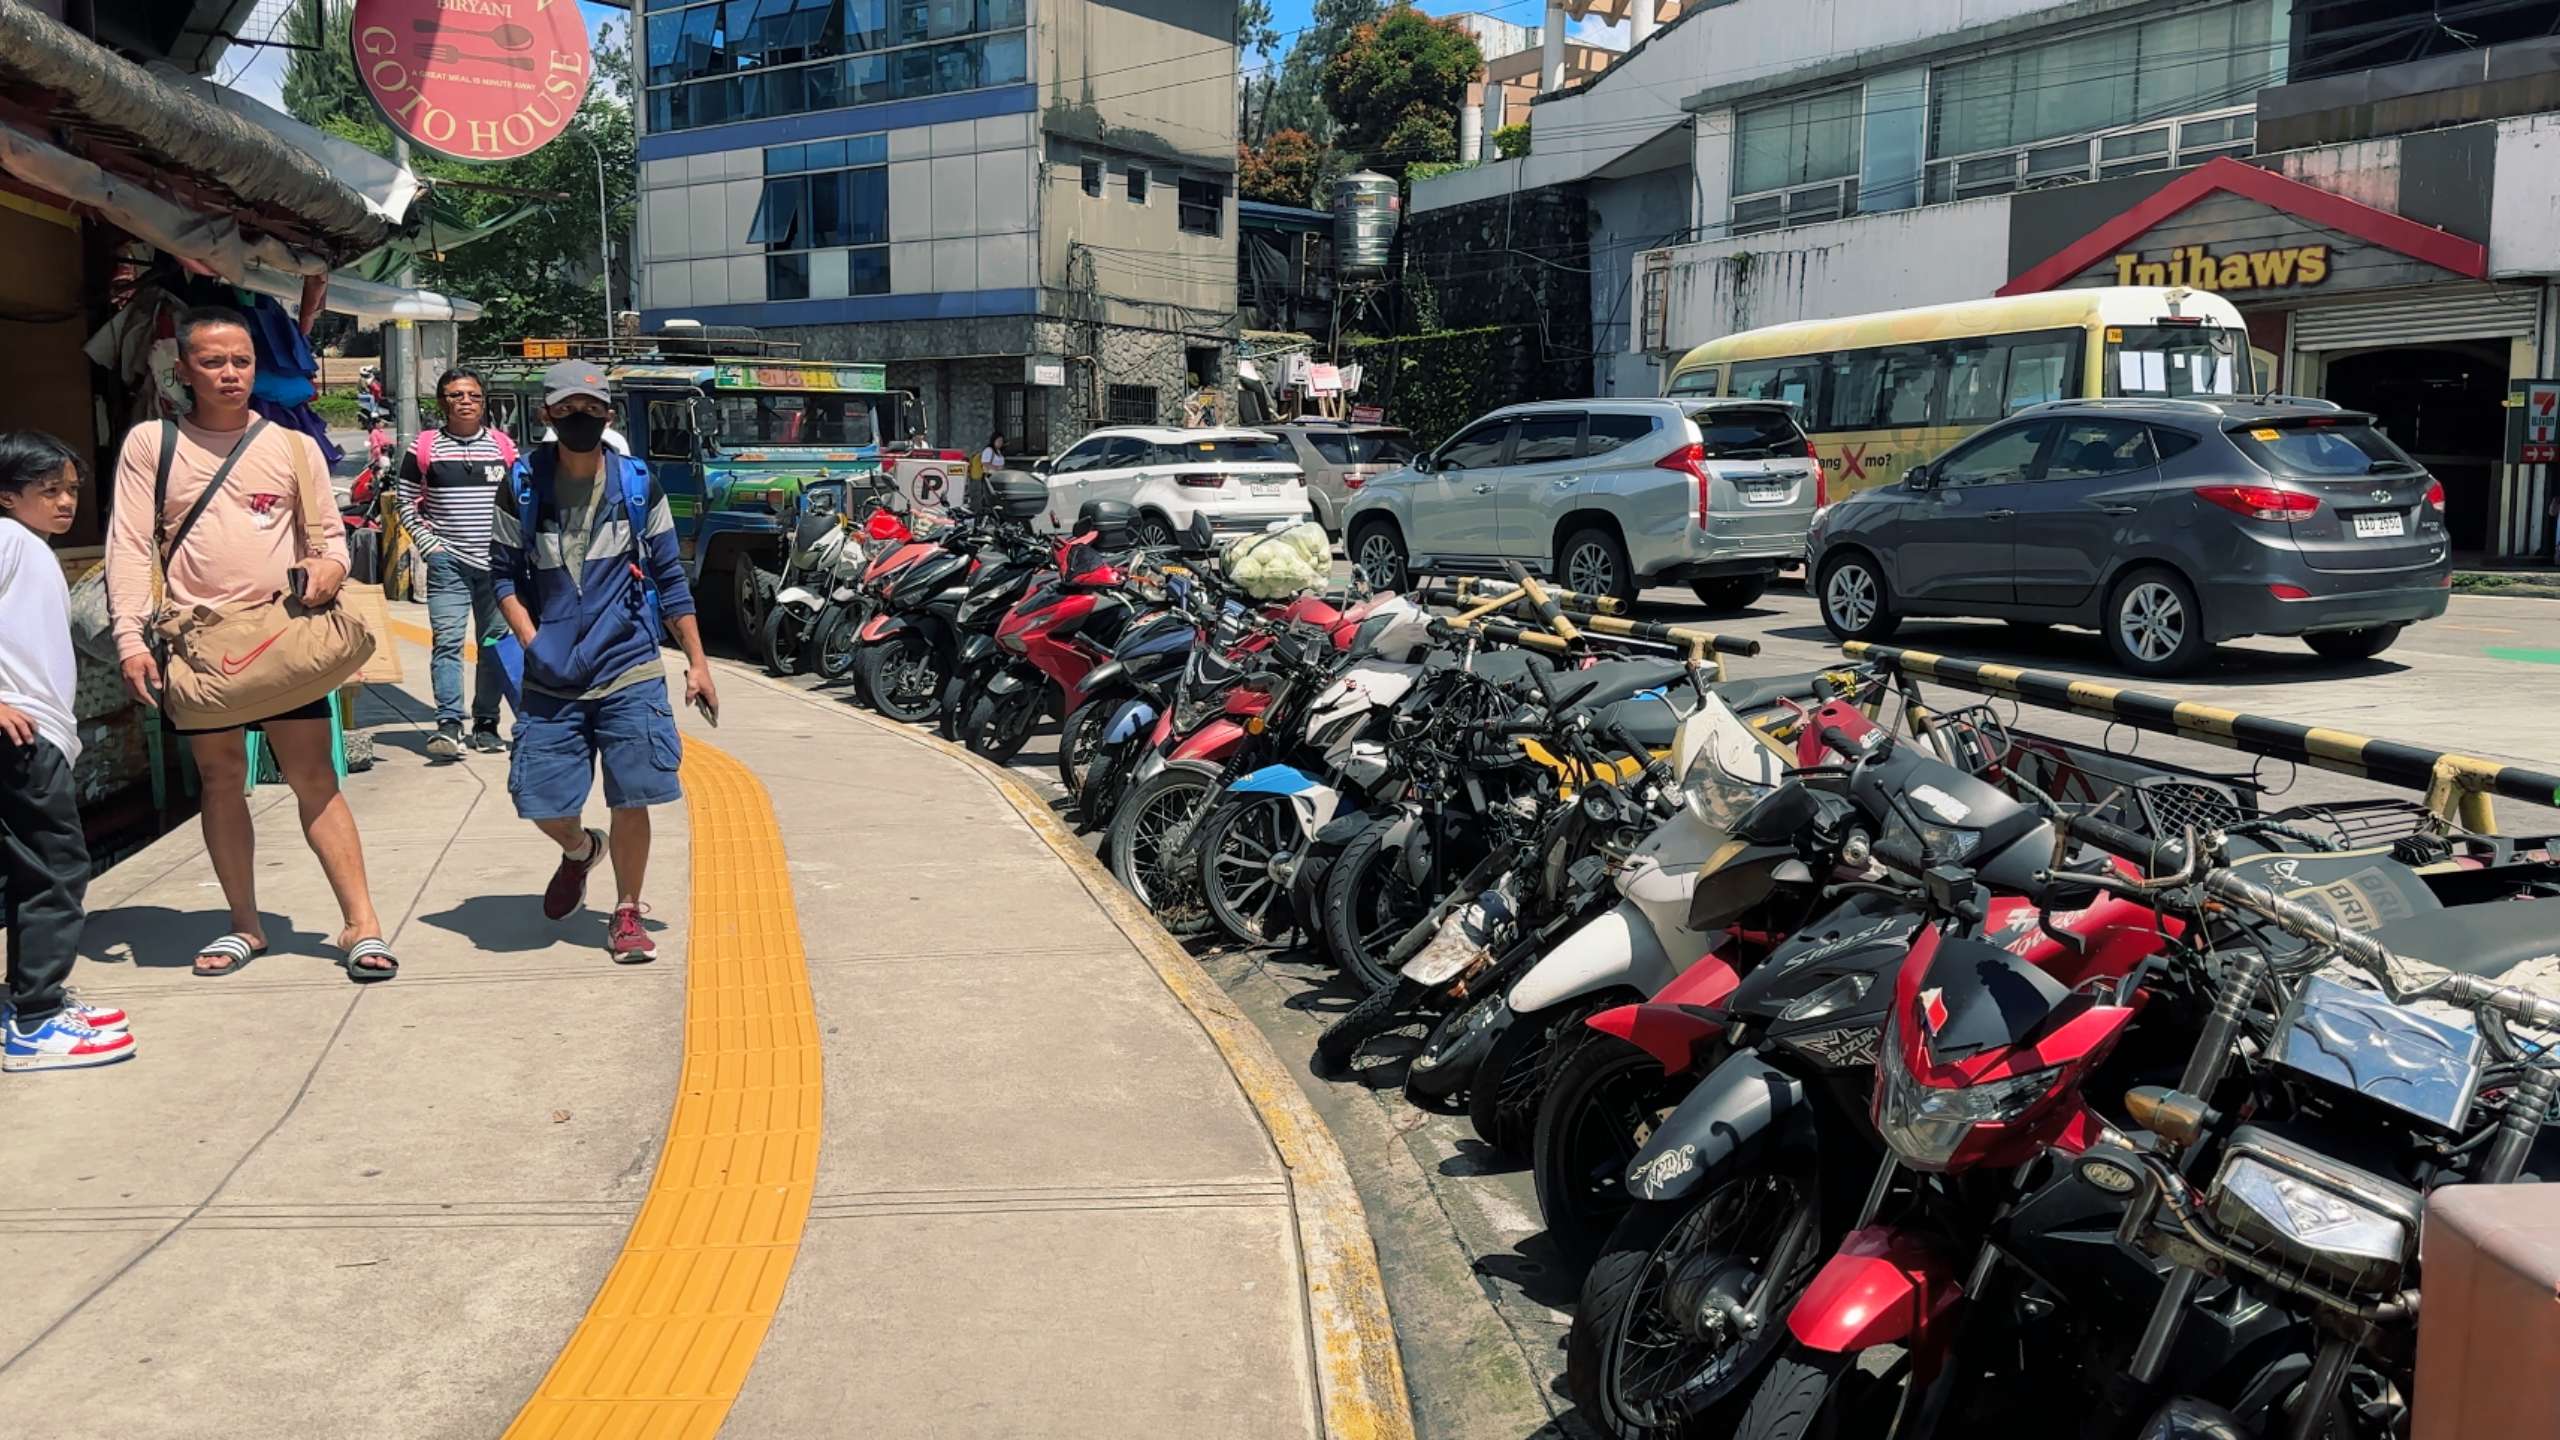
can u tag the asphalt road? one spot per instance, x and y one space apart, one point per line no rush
1481 1303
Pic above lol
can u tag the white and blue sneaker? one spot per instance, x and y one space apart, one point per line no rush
64 1041
97 1017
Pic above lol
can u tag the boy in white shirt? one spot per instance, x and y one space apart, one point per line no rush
42 1025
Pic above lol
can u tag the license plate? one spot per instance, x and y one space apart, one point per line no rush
1265 492
2379 525
1766 492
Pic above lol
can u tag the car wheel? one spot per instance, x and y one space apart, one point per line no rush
1592 562
1152 532
1855 603
1378 554
1733 593
2154 625
2361 644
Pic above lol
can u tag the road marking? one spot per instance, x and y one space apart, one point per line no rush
2530 657
668 1340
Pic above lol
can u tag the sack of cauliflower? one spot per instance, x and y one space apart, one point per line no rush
1273 564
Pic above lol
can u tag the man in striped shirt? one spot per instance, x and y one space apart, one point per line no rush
448 490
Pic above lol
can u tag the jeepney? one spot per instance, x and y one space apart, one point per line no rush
732 440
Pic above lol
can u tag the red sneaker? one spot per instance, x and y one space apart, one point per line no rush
568 887
628 940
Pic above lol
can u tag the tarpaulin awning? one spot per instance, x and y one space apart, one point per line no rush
352 294
66 93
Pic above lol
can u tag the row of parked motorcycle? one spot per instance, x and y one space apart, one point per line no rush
1889 1071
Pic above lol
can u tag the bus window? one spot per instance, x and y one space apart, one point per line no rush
2040 369
1788 380
1977 380
2174 360
502 410
1701 381
1907 392
786 419
1856 376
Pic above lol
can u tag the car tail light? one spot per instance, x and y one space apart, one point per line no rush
2435 493
2260 502
1200 481
1691 460
2288 592
1354 482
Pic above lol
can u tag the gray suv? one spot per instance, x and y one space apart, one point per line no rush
1339 457
2166 525
1605 495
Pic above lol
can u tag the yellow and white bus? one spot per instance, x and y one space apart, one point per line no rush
1880 393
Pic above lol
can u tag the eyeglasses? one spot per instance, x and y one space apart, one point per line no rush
464 397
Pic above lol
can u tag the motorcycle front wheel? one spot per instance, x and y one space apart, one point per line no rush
786 631
1080 735
999 724
902 676
837 646
1812 1394
1606 1100
1150 843
1369 903
1375 1015
1647 1358
1511 1085
1245 852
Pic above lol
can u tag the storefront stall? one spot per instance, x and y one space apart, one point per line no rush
2371 288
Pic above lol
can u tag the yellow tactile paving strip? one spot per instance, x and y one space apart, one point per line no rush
668 1340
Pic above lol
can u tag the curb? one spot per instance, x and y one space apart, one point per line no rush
1359 1372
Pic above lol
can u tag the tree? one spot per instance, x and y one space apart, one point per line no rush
319 79
538 277
1396 87
1283 170
1297 101
1258 37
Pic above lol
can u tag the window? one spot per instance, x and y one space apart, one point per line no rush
1093 176
2125 75
1856 376
1977 380
1131 404
1796 143
1544 438
2324 451
867 271
1137 185
2090 449
2172 443
777 220
1086 455
712 63
2042 368
1237 450
2172 360
1790 380
670 430
1908 391
1022 418
793 419
1608 432
786 277
1996 458
1741 432
1361 447
1201 204
1701 381
1477 446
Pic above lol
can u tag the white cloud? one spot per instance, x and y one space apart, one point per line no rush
1592 30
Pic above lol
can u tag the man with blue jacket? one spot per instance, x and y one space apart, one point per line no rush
577 549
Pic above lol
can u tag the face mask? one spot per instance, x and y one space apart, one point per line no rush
579 433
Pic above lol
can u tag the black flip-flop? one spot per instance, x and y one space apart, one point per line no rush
236 948
363 950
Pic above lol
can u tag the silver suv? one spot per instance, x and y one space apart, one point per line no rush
1606 495
1341 456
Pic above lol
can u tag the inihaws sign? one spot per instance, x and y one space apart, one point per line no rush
474 79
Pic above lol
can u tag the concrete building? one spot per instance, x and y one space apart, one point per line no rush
1756 161
1515 71
1025 208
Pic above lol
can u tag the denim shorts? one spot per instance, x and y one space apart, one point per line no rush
560 744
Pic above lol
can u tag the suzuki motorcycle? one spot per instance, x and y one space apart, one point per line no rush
824 540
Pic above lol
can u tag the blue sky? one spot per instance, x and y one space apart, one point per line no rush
260 72
1291 16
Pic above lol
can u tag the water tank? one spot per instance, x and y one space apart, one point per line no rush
1366 207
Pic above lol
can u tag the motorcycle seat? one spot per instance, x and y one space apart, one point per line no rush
2486 940
1612 681
1746 696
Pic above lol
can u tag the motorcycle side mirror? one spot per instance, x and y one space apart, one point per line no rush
1198 538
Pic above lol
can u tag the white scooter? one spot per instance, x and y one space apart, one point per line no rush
1499 1050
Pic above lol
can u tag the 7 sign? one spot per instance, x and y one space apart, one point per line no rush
2540 442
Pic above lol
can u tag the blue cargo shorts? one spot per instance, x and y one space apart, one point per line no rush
559 745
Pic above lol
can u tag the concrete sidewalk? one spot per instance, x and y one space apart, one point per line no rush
921 1134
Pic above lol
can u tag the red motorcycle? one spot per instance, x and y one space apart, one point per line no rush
1059 633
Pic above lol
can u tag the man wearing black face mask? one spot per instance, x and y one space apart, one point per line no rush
583 554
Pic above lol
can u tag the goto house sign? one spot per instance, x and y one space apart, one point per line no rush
474 79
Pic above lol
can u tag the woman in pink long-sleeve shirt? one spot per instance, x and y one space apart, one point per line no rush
241 550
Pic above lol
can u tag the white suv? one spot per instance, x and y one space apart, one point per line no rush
1243 480
1607 496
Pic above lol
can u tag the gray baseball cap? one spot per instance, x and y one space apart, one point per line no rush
572 378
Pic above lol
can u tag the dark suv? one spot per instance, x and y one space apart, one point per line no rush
2166 525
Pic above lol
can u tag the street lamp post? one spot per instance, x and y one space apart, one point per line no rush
604 241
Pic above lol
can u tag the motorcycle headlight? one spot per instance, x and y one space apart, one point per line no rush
2314 1213
1837 995
1941 843
1926 1124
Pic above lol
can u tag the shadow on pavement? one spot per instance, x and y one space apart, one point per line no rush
155 937
515 925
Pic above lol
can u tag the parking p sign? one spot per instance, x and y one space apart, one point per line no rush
2539 440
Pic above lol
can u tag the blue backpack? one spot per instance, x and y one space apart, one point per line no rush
635 504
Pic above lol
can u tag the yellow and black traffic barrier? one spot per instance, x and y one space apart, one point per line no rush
2458 788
